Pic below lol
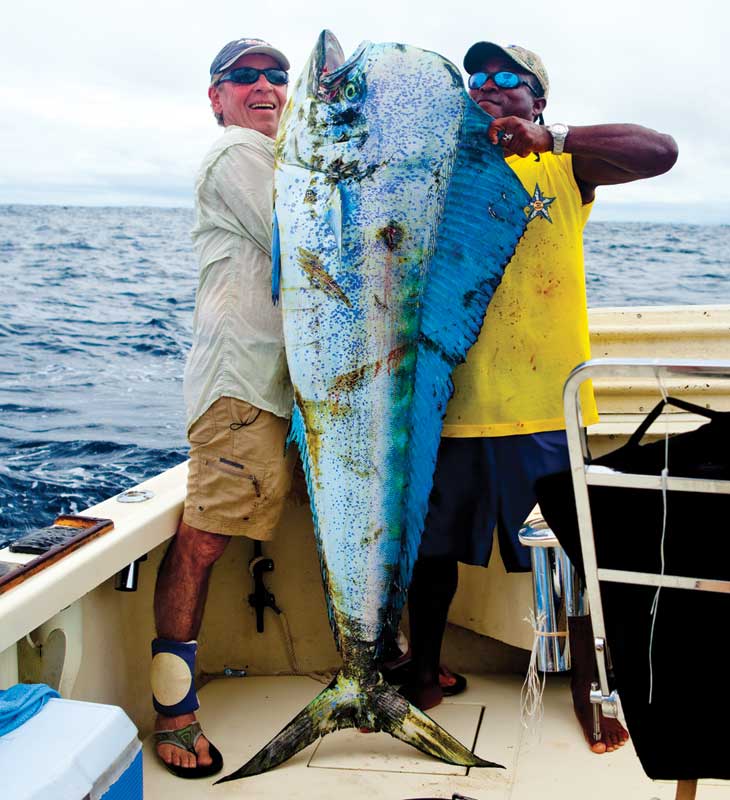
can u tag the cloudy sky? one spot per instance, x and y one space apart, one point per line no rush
105 103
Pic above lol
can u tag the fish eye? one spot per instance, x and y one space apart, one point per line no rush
351 91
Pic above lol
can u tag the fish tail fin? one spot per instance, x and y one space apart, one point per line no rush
298 734
396 716
345 703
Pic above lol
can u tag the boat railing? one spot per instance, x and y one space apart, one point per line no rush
139 527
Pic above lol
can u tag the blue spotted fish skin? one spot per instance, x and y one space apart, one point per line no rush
383 268
364 159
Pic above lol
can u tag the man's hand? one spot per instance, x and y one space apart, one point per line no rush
520 136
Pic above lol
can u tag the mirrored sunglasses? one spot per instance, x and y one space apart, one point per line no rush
248 75
503 79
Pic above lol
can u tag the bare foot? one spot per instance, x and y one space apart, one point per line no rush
583 673
423 696
613 733
177 756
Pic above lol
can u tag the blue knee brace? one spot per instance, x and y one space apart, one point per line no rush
173 677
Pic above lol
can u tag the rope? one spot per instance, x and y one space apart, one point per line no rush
288 642
531 694
655 603
322 676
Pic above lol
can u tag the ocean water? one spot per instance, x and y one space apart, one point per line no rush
95 316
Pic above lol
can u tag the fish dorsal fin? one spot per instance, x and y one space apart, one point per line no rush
482 221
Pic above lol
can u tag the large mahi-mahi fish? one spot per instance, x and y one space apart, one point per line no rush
396 218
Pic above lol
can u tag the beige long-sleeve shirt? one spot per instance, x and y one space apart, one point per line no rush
238 343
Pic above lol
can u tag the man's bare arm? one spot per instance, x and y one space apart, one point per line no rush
602 154
610 154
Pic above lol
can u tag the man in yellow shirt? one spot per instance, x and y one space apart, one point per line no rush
504 426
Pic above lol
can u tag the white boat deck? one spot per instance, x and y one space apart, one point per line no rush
241 714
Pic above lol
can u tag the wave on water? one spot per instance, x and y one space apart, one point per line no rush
41 479
638 263
95 327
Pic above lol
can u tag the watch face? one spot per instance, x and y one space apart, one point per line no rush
559 128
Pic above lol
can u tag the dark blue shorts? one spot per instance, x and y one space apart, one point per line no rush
483 482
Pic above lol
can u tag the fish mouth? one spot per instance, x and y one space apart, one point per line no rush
326 58
329 66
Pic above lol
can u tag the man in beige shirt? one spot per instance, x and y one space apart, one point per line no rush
237 391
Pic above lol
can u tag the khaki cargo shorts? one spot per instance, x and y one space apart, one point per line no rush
239 475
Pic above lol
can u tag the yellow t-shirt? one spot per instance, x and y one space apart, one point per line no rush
536 327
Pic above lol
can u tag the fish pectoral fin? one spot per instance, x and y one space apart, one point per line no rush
275 260
333 217
347 704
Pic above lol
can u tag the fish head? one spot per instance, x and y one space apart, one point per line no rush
324 113
382 105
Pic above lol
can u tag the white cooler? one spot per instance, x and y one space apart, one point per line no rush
70 751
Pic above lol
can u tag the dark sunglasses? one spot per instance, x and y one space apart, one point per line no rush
504 79
248 75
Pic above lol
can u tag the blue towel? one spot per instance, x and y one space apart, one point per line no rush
22 701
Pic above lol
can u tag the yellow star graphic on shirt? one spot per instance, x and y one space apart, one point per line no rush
538 206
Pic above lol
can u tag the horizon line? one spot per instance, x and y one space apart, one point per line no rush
668 212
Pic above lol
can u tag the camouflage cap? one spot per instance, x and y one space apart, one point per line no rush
529 61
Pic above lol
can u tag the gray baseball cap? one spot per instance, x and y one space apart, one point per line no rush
239 47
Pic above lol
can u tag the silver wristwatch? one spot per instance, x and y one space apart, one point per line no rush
559 132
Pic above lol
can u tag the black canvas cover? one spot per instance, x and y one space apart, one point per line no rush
682 733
